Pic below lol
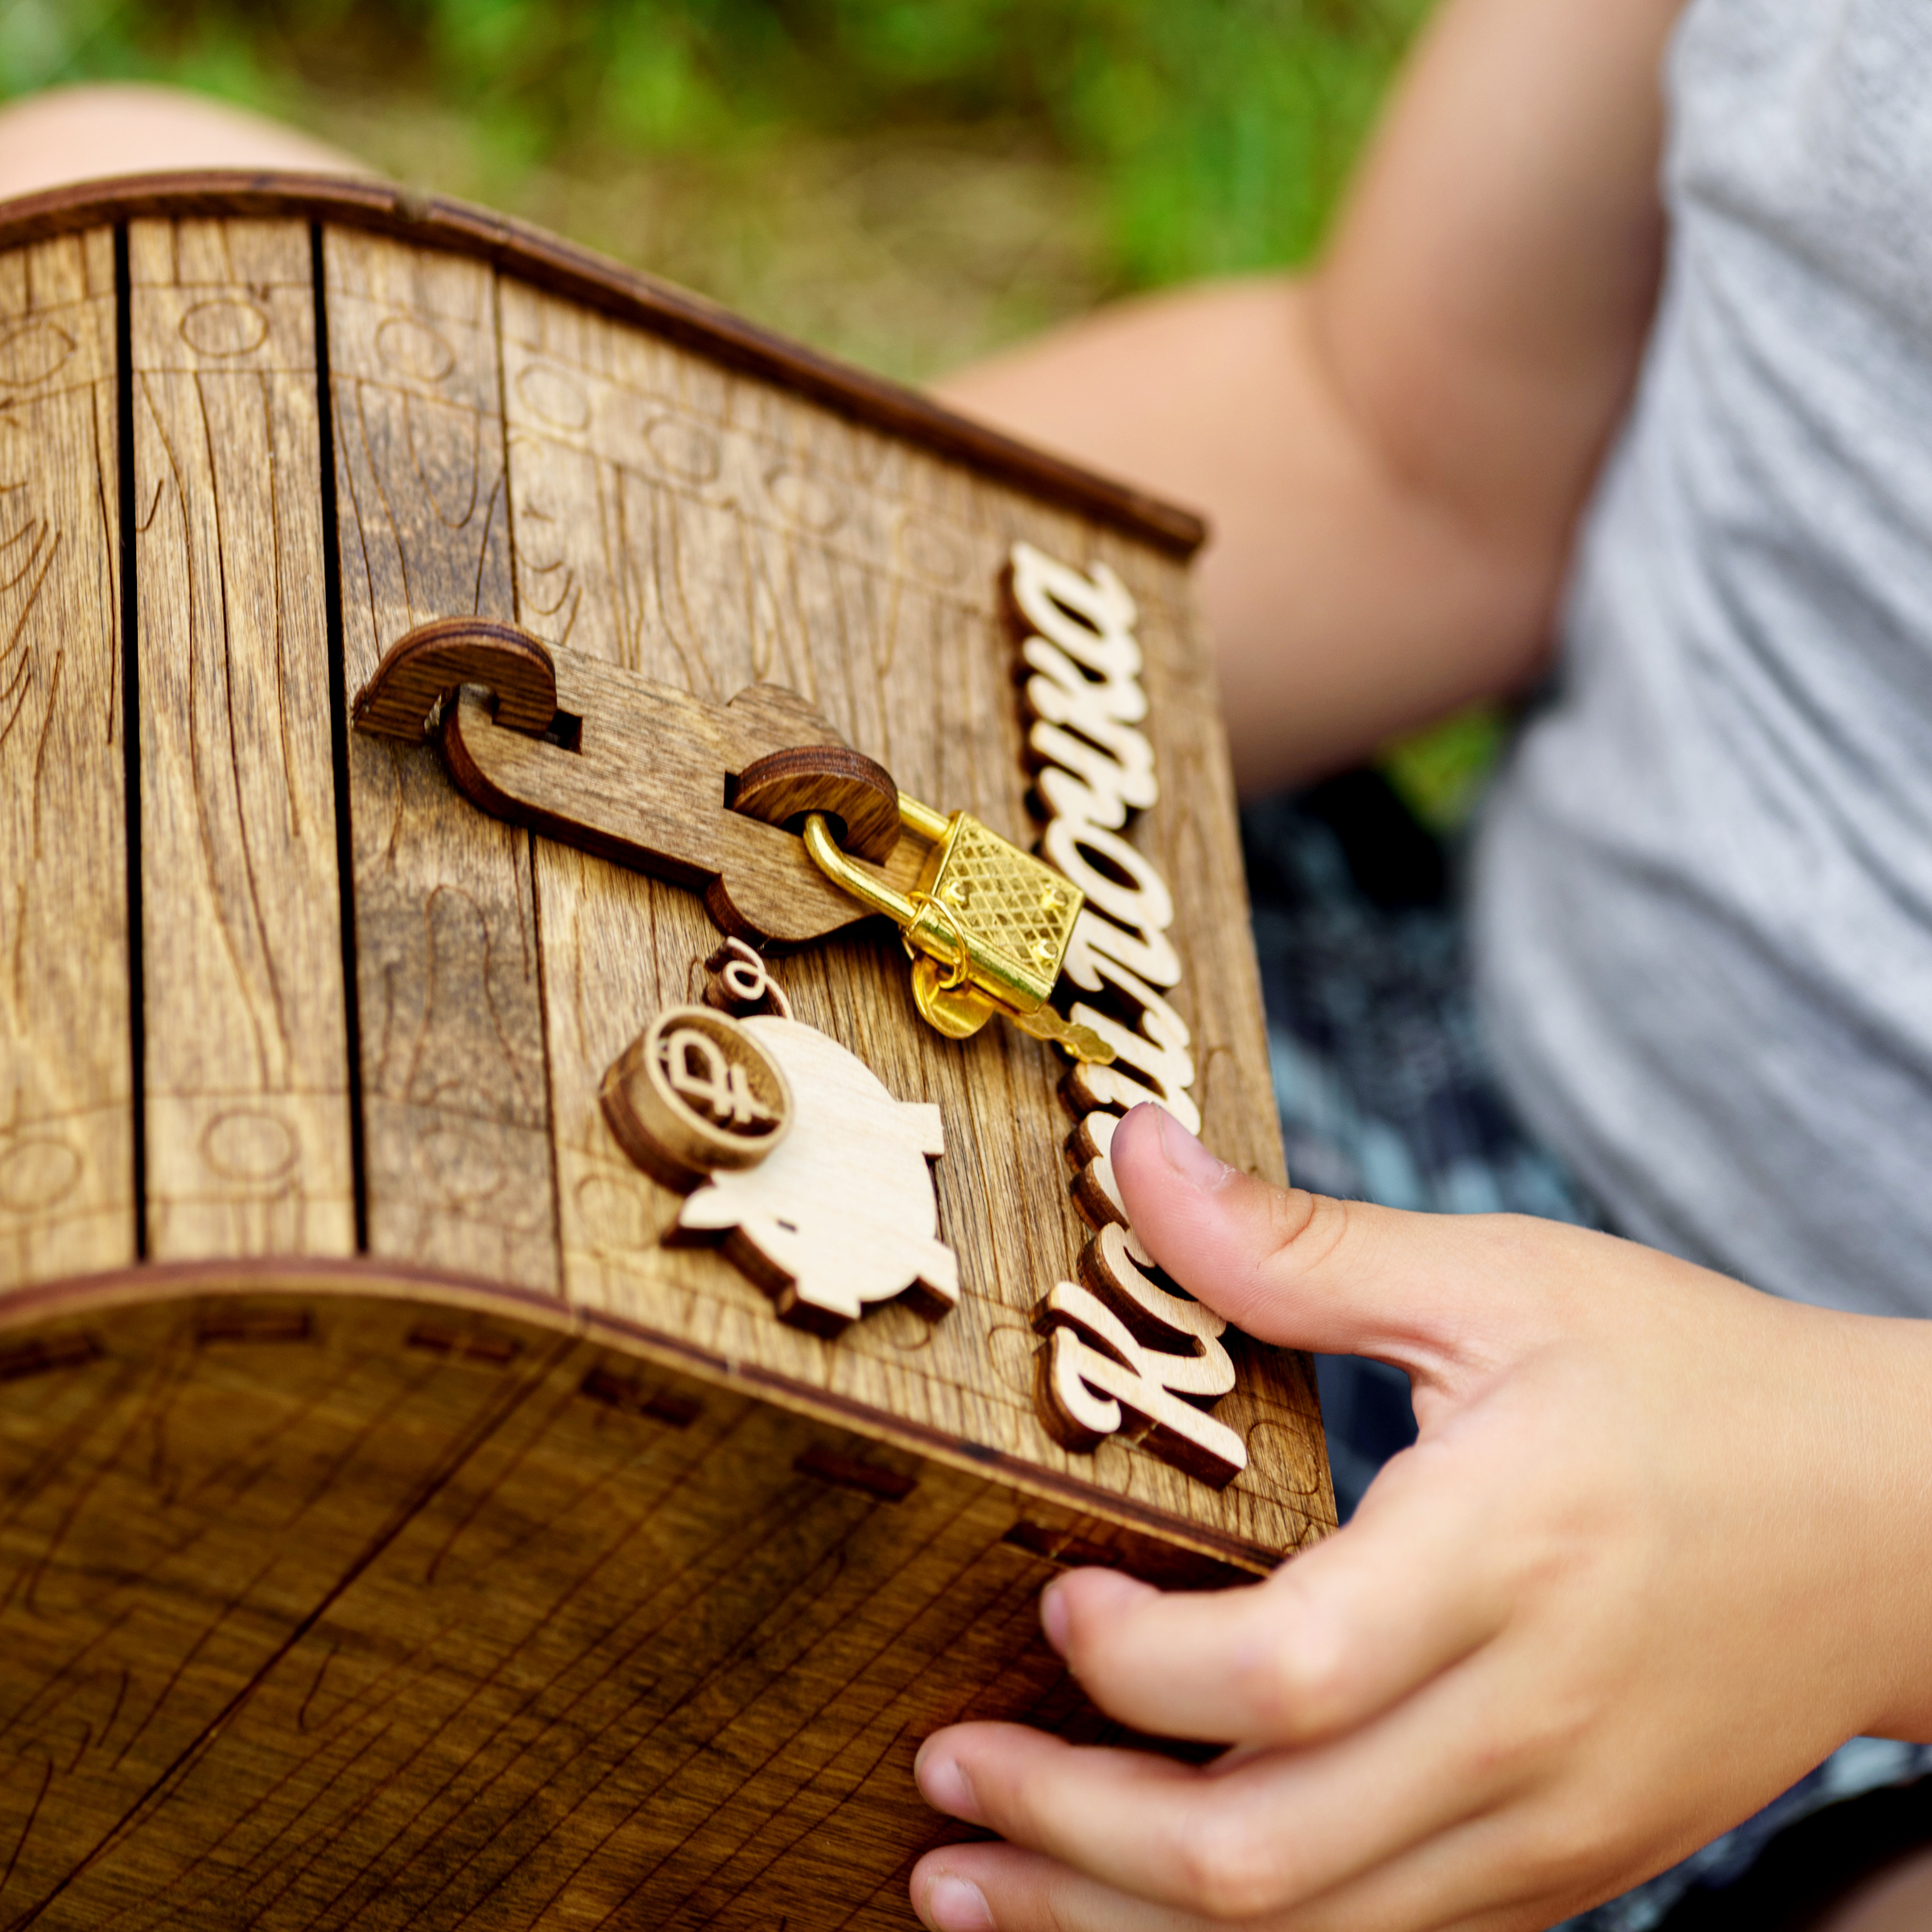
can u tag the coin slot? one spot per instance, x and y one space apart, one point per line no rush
43 1355
634 1397
1071 1552
846 1472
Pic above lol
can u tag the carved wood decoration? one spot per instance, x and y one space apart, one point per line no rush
696 1092
410 1519
422 672
814 1173
705 529
841 1216
856 793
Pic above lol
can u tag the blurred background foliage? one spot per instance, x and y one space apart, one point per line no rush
906 183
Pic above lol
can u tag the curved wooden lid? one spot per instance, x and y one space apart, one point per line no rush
564 268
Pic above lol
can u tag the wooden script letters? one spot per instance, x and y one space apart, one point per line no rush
1121 1344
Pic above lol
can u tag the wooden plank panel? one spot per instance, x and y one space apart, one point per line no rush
66 1076
412 1615
706 529
247 1056
457 1159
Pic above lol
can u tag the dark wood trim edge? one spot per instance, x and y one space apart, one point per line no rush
80 1296
564 268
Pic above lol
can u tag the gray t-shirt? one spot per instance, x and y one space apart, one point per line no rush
1704 887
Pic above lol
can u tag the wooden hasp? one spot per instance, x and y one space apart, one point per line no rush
639 772
856 792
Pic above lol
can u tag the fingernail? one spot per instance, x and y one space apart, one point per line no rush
1187 1156
956 1904
943 1784
1053 1617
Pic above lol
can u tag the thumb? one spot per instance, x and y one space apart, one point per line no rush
1345 1278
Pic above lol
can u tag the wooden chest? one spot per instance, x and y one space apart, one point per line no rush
396 1528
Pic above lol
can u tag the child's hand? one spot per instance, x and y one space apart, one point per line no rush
1663 1544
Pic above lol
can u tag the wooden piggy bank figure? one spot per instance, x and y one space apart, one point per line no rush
586 891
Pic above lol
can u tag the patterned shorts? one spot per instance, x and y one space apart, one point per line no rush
1385 1096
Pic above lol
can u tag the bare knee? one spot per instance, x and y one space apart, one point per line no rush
76 133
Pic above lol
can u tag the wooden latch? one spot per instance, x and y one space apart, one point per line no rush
643 774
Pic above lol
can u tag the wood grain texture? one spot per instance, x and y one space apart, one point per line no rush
456 1120
644 781
66 1074
857 794
702 528
423 221
247 1059
399 1608
427 667
530 1571
839 1215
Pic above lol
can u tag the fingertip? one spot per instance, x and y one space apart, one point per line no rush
1089 1604
943 1780
947 1901
1179 1197
1055 1616
1153 1143
1092 1613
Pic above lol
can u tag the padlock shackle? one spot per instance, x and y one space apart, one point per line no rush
874 894
977 983
922 821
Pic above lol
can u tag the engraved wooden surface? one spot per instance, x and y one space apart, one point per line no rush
66 1078
386 208
457 1118
393 1612
247 1060
528 1569
702 528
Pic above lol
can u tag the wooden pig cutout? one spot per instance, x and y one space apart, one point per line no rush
841 1213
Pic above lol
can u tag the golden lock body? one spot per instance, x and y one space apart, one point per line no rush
987 925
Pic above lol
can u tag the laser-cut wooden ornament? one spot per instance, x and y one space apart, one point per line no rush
817 1181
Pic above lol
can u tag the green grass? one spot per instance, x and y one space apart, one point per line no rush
1017 160
907 182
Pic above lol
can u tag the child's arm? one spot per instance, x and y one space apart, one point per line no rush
1393 450
1663 1544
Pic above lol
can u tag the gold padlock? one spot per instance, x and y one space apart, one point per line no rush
987 927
